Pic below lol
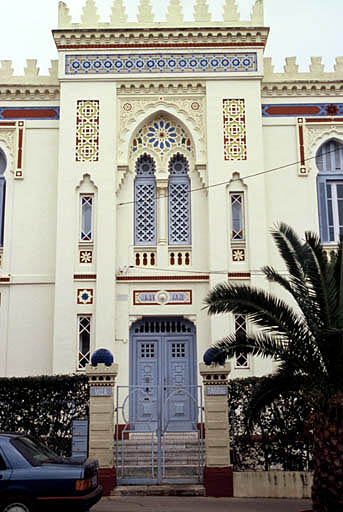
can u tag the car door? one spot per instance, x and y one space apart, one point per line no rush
5 473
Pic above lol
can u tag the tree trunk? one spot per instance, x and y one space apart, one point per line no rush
327 490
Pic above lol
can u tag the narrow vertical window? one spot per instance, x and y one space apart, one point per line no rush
237 216
145 202
179 202
242 360
84 341
329 160
86 234
3 165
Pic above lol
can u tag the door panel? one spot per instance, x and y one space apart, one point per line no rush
163 371
179 404
147 378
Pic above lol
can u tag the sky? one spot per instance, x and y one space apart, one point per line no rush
301 28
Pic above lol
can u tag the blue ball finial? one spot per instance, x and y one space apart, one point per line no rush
212 355
102 355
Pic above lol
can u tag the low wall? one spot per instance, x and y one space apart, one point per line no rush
272 484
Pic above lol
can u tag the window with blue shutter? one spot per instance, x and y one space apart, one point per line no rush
179 202
3 165
145 202
329 160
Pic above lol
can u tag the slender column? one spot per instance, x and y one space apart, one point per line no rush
101 379
218 476
162 188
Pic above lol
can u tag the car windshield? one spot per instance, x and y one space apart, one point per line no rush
34 451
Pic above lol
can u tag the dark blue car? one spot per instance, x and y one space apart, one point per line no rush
32 478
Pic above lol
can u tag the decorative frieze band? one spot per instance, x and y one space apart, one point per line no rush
131 63
302 109
161 297
39 113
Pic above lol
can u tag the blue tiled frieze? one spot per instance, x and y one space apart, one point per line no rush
160 63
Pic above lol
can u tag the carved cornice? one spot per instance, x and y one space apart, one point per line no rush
160 37
159 87
29 92
302 88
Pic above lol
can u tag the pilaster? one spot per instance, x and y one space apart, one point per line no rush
218 476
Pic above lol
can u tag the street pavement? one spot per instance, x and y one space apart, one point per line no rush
198 504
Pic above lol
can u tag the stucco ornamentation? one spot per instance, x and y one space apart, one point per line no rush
315 136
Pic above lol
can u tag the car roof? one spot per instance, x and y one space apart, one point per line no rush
10 434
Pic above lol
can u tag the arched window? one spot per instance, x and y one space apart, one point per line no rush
329 160
3 165
145 202
179 202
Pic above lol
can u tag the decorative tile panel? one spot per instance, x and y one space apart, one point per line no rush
161 63
87 131
86 256
84 296
238 255
235 143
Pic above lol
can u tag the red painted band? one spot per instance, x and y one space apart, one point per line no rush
296 110
28 113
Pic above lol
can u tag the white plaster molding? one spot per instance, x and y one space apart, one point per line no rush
119 16
291 71
90 17
8 143
179 108
86 184
302 88
257 14
31 74
161 88
145 13
315 136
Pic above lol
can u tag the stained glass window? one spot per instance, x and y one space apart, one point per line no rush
145 202
161 135
179 201
329 160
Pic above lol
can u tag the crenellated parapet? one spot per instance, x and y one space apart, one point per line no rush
146 17
31 85
292 82
31 74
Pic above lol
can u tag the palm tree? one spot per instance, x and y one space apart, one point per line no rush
305 337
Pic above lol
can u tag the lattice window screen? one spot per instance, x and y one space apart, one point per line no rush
145 202
179 202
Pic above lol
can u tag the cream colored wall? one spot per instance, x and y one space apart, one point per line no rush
29 330
71 174
26 311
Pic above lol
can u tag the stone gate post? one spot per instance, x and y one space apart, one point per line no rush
101 380
218 476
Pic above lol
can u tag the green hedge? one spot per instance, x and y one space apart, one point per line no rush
44 407
281 439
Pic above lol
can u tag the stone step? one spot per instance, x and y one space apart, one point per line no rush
159 490
175 471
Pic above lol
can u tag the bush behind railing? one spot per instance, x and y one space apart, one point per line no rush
44 407
282 437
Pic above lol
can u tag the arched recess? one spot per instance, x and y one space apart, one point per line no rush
163 359
86 204
145 201
167 111
329 162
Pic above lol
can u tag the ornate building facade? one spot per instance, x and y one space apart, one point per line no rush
147 167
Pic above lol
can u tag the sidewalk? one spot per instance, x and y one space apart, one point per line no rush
197 504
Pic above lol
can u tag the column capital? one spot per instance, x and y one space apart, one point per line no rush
215 374
101 375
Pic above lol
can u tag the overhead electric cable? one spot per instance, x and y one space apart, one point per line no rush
254 175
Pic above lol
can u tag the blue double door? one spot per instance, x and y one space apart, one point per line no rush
163 391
